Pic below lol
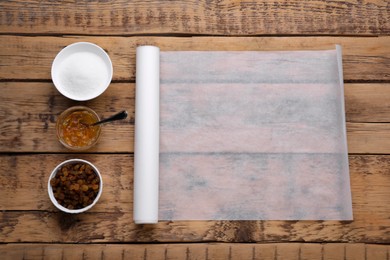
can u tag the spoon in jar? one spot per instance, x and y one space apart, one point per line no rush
119 116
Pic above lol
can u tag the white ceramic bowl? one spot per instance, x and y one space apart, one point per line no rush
82 71
51 194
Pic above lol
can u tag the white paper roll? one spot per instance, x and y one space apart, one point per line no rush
146 150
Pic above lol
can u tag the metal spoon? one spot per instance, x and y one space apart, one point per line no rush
119 116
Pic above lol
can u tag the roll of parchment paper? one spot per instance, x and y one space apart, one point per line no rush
209 123
146 150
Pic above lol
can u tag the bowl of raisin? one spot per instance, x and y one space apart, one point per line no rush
75 186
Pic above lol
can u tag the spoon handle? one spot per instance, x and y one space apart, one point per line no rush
121 115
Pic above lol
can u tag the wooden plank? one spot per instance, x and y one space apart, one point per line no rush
308 251
28 112
374 252
197 17
203 251
27 213
267 251
334 251
24 181
288 251
368 138
356 252
367 102
23 58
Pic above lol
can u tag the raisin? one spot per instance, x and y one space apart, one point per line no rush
75 185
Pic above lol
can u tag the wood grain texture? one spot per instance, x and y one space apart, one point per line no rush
230 251
367 103
372 138
30 58
32 32
24 181
27 213
40 227
196 251
28 112
226 17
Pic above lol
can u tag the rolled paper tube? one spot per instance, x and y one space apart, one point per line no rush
146 150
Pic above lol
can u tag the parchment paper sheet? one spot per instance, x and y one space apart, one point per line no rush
253 136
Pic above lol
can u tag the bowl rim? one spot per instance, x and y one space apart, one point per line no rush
68 48
50 189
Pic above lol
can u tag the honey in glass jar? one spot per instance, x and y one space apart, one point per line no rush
74 128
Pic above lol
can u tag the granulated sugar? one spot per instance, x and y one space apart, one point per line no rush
83 75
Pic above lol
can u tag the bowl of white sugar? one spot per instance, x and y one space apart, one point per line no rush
82 71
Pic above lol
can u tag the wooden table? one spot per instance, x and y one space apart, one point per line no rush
33 32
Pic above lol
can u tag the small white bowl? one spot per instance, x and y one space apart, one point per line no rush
50 189
82 71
